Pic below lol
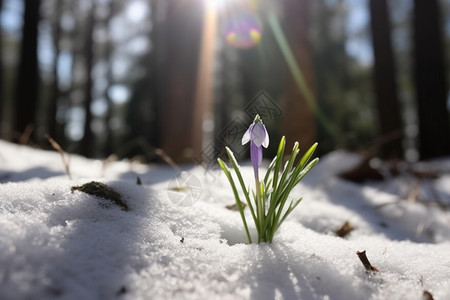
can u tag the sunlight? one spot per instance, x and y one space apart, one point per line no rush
205 75
222 5
297 73
119 93
219 4
243 31
136 11
240 24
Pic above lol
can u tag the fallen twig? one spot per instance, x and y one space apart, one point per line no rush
345 229
234 206
161 153
26 134
427 295
58 148
365 261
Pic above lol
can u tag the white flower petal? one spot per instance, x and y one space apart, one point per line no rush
258 134
265 143
246 136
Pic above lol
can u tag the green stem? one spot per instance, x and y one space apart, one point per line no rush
259 207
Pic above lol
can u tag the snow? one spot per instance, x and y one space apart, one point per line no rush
58 244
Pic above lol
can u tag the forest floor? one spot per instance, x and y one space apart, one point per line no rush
174 236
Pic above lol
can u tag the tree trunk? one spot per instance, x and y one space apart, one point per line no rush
182 42
28 74
430 79
2 101
299 107
87 141
389 116
55 92
108 146
143 113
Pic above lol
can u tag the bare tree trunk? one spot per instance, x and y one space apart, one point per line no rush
299 113
182 38
2 102
28 74
143 110
389 116
55 93
87 141
430 78
109 141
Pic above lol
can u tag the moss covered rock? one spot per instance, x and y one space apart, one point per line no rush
103 191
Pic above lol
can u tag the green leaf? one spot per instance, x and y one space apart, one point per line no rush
292 206
241 182
271 194
279 158
306 170
236 196
284 188
308 155
269 170
287 169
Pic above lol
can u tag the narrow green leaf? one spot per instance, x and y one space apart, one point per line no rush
286 187
306 170
236 196
263 208
241 182
269 170
289 210
308 155
287 169
279 159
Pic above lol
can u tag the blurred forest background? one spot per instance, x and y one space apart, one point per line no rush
132 77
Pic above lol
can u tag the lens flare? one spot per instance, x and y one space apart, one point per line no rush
243 32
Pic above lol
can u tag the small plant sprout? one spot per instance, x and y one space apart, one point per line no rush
268 208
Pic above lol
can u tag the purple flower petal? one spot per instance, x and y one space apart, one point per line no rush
256 156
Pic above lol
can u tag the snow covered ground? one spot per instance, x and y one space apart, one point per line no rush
181 243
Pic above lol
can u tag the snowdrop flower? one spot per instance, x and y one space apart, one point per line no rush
270 205
258 137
